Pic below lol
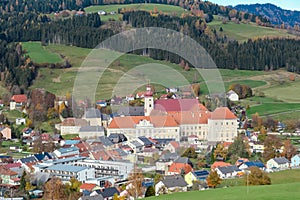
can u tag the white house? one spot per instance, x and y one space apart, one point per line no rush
280 163
20 121
228 171
232 95
295 161
172 183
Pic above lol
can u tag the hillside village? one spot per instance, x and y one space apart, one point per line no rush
173 144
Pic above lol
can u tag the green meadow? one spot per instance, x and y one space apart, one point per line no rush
168 9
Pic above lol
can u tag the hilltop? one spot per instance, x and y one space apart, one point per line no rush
275 14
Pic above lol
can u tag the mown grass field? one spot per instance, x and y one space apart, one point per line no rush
169 9
243 32
269 192
39 54
285 185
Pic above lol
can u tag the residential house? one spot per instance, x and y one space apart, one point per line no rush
17 101
20 121
280 163
217 164
247 165
106 193
9 177
172 183
66 152
295 161
145 141
136 146
179 168
232 95
180 165
172 146
6 132
66 172
88 187
228 171
241 161
117 138
199 175
42 156
93 116
165 160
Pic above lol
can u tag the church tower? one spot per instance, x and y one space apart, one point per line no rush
148 101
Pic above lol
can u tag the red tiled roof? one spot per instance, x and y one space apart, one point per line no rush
175 144
176 168
101 155
222 113
190 117
83 146
219 164
12 165
4 171
88 186
19 98
131 121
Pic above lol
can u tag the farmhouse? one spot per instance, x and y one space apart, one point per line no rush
17 101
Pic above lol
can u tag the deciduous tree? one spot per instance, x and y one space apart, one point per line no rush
257 177
135 179
213 179
289 150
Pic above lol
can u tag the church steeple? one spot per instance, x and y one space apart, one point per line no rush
148 100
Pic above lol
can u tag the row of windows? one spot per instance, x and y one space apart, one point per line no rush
221 123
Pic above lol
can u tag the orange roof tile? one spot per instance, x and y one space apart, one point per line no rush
188 117
131 121
176 168
219 164
88 186
222 113
19 98
175 144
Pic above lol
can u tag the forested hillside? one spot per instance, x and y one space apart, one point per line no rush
23 21
276 15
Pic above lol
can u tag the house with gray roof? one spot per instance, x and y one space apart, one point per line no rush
93 116
91 131
66 172
228 171
63 152
136 146
247 165
279 163
164 161
171 184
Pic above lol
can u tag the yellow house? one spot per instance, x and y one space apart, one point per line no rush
199 175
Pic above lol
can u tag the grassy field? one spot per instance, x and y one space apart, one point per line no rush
285 185
280 99
39 54
169 9
243 32
60 81
274 192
